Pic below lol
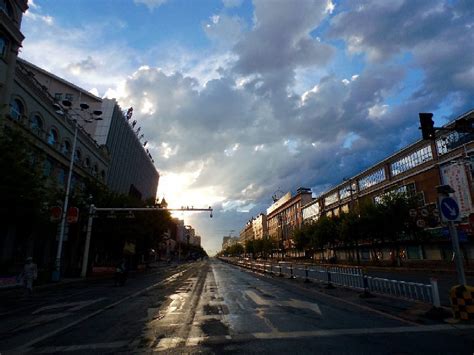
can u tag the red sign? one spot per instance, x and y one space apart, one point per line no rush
56 212
72 215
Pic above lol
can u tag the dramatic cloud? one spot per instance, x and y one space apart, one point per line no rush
303 96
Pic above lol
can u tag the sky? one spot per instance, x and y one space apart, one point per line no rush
239 99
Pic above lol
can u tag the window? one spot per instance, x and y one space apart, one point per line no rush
68 97
16 109
372 179
3 46
77 156
102 175
95 170
409 190
412 160
451 141
330 199
61 176
53 137
66 148
58 96
347 191
87 162
36 123
47 167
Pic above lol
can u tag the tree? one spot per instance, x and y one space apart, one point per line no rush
250 247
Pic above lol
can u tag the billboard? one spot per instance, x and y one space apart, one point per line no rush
455 176
280 202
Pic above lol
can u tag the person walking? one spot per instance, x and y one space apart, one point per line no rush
30 273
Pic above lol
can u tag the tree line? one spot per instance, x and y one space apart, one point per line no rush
385 223
27 194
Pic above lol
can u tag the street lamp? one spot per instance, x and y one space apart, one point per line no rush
65 110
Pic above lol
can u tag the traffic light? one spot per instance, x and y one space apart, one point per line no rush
427 125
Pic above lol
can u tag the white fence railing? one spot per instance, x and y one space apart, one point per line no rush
347 276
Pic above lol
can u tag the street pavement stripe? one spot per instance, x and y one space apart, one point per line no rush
169 343
66 348
29 344
370 309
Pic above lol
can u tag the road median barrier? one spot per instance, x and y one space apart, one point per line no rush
355 278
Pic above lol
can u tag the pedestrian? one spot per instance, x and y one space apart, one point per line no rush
121 273
29 274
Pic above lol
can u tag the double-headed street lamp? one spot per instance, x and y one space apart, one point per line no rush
66 110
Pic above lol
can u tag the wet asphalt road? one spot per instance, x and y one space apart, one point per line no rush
212 307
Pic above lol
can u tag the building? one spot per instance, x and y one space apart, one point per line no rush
285 215
11 38
259 225
246 233
27 106
132 170
416 170
229 241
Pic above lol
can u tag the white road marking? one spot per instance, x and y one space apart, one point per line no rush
168 343
291 303
72 306
29 344
66 348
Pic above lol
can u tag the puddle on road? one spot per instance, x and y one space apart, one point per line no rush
213 327
215 309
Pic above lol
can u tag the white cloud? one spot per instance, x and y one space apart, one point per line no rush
232 3
151 4
377 111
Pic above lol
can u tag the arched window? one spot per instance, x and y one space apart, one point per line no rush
53 137
102 175
87 163
36 123
95 170
47 167
16 109
66 148
77 156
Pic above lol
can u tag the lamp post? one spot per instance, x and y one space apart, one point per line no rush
65 110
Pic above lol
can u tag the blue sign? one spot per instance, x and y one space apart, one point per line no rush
449 209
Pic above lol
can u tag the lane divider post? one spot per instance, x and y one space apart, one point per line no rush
329 284
306 271
292 276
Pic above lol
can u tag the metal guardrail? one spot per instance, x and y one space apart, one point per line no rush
347 276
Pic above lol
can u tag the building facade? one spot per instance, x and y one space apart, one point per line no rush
259 226
28 107
246 234
285 215
132 170
415 170
229 241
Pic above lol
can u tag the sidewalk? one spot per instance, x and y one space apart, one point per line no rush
66 281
